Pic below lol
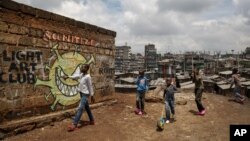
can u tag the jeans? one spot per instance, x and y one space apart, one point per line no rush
140 99
83 105
198 96
237 94
169 107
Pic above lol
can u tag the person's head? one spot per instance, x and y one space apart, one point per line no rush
168 81
141 73
235 71
85 68
197 71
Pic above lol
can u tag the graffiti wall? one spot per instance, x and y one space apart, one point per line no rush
38 48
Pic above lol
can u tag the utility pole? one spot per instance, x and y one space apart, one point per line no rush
192 62
238 59
218 55
184 64
233 55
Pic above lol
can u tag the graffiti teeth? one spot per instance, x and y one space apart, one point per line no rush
65 89
71 92
74 90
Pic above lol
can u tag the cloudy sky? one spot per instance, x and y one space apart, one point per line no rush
172 25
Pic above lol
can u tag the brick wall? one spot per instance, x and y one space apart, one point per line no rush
38 47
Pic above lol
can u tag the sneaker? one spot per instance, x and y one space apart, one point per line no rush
167 121
137 110
92 122
140 113
202 113
243 99
72 127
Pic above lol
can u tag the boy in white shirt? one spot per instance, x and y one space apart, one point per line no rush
86 89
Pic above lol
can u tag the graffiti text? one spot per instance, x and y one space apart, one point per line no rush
21 68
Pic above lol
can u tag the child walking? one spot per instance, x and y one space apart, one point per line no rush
142 87
168 96
236 82
199 87
86 89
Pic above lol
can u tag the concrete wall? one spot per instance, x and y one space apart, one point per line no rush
36 48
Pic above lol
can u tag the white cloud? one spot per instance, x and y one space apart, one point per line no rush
186 6
236 2
243 8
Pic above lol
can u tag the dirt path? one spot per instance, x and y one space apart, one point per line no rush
118 122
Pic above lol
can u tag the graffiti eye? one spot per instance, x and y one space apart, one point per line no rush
61 73
77 71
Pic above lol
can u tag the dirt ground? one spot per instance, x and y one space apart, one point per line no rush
118 122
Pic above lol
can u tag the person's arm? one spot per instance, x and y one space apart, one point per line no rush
237 78
199 78
90 86
164 93
194 76
177 83
75 76
173 81
137 80
146 84
174 88
232 82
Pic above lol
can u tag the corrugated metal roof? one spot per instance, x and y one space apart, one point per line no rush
188 86
124 86
128 79
183 77
164 61
118 73
247 83
213 76
159 81
226 86
186 83
208 80
221 82
226 72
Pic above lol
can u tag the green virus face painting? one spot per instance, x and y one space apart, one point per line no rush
64 91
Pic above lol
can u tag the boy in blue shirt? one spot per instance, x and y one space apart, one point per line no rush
168 96
142 87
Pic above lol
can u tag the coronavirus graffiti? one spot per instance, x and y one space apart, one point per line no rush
63 91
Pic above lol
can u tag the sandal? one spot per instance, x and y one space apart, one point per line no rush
72 127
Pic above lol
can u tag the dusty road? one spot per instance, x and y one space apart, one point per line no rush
118 122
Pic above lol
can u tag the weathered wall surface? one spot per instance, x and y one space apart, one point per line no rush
37 48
